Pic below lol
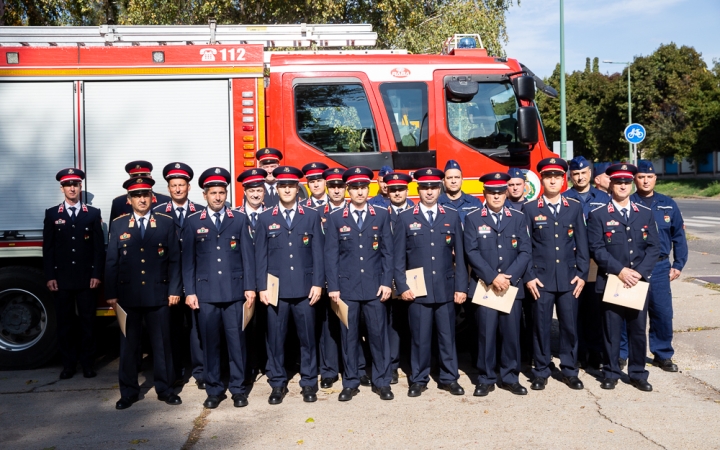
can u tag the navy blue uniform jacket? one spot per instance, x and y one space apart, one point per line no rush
218 266
143 272
671 228
560 248
358 261
615 244
294 254
438 249
73 252
492 249
595 198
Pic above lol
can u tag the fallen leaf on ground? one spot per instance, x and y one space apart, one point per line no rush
30 381
310 420
138 441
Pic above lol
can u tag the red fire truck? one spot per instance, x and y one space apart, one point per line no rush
97 97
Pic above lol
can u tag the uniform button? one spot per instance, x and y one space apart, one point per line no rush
142 272
499 246
142 249
219 272
291 256
219 260
433 272
73 226
362 270
629 240
432 244
557 261
218 236
292 268
290 244
499 234
631 263
499 270
433 258
360 245
218 248
73 238
557 248
628 228
142 260
361 258
556 223
360 234
432 231
556 235
289 232
631 252
143 282
73 249
500 258
73 262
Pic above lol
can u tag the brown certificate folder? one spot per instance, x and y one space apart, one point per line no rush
341 309
121 317
592 273
617 294
248 313
273 287
485 296
416 282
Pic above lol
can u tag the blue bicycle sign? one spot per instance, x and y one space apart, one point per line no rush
635 133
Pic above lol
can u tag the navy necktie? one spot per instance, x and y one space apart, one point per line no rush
498 217
142 227
430 217
624 213
288 219
72 213
554 209
359 219
253 218
217 220
181 212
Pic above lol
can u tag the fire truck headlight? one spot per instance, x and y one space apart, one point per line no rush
159 57
12 57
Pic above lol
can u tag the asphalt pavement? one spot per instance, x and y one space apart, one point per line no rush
38 411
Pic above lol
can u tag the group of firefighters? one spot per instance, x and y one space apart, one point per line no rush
191 275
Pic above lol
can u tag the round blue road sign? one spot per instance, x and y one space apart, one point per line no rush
635 133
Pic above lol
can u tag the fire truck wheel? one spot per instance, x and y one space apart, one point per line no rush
27 319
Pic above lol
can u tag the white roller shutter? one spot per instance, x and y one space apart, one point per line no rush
156 121
36 141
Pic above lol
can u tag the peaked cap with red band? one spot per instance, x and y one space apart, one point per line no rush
621 171
314 170
265 155
358 175
137 168
70 175
139 184
287 174
252 177
495 181
397 179
334 175
214 176
552 165
177 170
429 175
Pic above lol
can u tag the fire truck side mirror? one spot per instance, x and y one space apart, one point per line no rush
524 88
461 91
527 123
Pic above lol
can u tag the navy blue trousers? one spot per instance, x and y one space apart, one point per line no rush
277 326
613 319
214 319
492 326
376 322
566 306
157 323
329 342
75 331
422 317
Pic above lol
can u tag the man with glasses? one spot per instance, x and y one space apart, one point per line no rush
73 258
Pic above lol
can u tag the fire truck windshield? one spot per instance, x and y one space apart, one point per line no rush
488 121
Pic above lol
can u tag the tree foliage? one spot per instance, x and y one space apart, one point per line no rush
417 25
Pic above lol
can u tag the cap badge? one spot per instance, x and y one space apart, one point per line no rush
624 167
497 176
287 169
395 177
217 170
70 171
313 165
357 170
429 172
254 172
139 181
267 151
552 160
137 166
582 164
177 165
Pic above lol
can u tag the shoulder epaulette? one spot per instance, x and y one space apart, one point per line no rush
120 217
642 206
516 210
195 213
473 211
339 209
164 215
601 206
451 208
267 210
573 199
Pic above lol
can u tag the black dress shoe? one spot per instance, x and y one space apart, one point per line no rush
453 388
347 394
665 364
394 377
200 384
67 374
365 381
239 400
170 399
538 384
89 373
608 383
125 402
642 385
573 383
327 383
384 392
622 362
212 401
277 395
309 394
416 389
481 390
515 388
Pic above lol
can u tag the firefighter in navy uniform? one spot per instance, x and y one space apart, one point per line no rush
316 183
73 259
623 241
142 275
121 204
269 159
185 342
253 181
671 231
557 272
431 237
382 198
590 346
497 247
289 245
453 196
359 269
516 189
219 276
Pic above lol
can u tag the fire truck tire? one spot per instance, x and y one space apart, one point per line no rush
27 319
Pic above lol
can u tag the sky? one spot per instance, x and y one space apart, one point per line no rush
614 30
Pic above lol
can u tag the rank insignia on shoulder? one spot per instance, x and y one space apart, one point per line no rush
415 226
667 219
203 230
161 252
273 227
613 223
540 218
125 236
484 229
345 229
59 222
233 245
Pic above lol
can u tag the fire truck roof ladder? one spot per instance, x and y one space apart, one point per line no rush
270 36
